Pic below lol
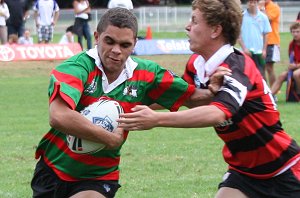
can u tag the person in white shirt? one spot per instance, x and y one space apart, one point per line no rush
46 13
68 37
120 3
82 10
4 15
26 39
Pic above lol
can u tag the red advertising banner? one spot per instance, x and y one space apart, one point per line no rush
38 52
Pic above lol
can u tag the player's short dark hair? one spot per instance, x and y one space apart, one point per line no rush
119 17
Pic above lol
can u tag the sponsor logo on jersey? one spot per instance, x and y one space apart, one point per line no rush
92 87
224 125
130 90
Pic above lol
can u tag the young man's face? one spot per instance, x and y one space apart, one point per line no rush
252 4
296 34
114 46
199 32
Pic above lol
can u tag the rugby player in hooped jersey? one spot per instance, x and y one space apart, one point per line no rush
104 71
263 159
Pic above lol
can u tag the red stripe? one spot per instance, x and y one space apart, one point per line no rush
252 125
142 75
87 100
271 151
96 72
69 79
65 97
182 98
165 84
222 108
87 159
267 176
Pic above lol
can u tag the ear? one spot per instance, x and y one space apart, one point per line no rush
96 36
216 31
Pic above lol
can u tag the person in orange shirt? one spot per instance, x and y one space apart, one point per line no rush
272 10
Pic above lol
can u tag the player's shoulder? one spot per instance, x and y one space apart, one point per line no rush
145 64
237 58
81 60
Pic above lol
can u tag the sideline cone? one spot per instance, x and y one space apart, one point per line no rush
148 33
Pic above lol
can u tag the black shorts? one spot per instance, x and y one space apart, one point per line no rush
285 185
46 184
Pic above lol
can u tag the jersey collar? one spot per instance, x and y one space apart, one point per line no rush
127 72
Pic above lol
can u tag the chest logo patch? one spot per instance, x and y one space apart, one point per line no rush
130 90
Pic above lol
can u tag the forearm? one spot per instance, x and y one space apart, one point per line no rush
198 117
200 97
71 122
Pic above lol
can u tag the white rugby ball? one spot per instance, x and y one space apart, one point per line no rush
102 113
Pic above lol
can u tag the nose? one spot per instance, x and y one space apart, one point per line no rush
116 49
188 27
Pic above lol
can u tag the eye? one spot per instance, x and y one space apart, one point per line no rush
109 41
193 20
126 45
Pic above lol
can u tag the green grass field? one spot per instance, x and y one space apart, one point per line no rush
163 162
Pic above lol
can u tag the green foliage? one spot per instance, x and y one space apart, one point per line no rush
163 162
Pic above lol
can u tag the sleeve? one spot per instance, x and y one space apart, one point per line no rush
67 80
267 25
189 71
6 11
169 90
56 7
273 12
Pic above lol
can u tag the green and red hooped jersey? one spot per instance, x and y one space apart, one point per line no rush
79 82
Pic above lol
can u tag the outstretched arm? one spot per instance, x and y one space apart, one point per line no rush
144 118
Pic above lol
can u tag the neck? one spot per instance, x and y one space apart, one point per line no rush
112 75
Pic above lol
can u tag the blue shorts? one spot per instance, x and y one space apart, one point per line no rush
45 184
285 185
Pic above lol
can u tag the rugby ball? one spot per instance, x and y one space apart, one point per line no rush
101 113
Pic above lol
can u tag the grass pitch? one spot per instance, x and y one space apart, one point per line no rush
163 162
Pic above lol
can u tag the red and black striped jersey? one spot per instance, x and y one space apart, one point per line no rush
255 142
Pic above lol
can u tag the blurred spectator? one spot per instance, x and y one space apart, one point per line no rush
68 37
13 39
46 13
81 26
253 39
298 17
272 10
120 3
26 39
292 76
4 15
19 12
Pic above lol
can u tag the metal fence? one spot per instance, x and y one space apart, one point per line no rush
161 19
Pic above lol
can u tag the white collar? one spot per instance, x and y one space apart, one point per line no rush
206 69
127 72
